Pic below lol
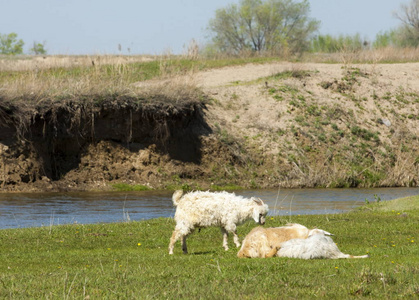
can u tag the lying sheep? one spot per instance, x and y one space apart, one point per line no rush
204 209
316 246
265 242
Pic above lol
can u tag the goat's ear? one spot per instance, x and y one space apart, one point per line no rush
258 201
327 233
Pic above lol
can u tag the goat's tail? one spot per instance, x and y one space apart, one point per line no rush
360 256
176 197
343 255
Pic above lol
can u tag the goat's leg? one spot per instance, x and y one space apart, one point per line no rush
236 239
272 253
184 247
175 236
225 238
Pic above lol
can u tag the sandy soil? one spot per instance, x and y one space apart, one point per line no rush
246 107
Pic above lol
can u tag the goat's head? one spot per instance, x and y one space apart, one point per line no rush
260 210
318 231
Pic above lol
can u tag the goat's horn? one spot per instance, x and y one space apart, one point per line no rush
258 201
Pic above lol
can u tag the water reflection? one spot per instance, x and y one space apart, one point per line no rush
45 209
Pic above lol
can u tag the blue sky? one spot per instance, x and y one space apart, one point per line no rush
157 26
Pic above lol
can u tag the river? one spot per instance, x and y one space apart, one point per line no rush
45 209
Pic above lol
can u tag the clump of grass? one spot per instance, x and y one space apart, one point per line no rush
364 133
294 73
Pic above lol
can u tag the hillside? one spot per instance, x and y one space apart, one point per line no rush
259 126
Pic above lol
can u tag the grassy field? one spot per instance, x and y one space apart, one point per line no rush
131 261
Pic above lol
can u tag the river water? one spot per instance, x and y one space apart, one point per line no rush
46 209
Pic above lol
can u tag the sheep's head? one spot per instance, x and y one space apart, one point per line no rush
260 210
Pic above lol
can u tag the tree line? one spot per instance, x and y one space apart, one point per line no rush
284 27
11 45
275 27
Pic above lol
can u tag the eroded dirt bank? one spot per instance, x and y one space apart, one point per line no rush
276 125
83 145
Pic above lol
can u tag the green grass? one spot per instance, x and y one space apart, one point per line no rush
131 261
401 204
123 187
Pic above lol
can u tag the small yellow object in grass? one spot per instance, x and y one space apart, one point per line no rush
336 268
139 244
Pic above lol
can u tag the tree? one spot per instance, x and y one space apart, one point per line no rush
330 44
10 45
408 33
38 48
275 26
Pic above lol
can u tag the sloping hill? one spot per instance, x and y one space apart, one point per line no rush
263 125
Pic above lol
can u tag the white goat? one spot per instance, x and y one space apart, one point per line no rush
265 242
204 209
316 246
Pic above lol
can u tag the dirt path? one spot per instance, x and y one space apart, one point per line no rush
394 74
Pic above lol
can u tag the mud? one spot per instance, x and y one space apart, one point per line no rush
79 146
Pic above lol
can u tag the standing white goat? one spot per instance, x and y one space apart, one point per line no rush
316 246
204 209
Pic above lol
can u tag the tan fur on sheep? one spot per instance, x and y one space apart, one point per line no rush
265 242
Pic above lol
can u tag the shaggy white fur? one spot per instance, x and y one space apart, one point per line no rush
204 209
265 242
316 246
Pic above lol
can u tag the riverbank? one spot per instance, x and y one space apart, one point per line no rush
258 125
130 260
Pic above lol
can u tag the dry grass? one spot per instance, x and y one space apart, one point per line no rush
37 79
382 55
36 63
